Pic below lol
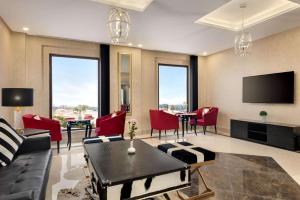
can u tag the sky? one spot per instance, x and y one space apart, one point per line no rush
74 81
172 84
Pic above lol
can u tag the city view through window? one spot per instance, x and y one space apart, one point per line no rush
173 88
74 89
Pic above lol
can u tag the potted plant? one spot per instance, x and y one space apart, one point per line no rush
263 115
132 130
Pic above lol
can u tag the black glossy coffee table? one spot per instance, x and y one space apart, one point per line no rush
115 174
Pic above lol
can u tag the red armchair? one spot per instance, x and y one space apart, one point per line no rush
161 120
30 121
111 125
206 116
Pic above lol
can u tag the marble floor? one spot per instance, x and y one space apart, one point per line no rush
67 167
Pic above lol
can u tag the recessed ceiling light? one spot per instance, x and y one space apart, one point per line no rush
130 44
137 5
204 53
140 45
228 16
25 28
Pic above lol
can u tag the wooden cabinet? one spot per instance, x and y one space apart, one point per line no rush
274 134
239 129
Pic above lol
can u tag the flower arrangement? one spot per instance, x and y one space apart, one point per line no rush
132 128
263 115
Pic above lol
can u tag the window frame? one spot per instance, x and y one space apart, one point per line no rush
187 82
51 55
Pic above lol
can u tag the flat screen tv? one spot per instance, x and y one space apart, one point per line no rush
269 88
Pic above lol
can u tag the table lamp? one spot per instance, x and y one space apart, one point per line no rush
17 97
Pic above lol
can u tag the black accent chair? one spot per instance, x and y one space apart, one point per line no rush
27 176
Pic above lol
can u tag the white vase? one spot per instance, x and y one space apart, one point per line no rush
131 149
264 119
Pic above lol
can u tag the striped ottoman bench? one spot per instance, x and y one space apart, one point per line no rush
99 139
194 156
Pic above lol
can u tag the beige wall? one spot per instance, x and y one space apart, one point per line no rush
30 64
144 80
201 81
25 63
5 55
136 80
221 82
149 93
220 75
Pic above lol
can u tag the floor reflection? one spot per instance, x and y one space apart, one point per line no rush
66 171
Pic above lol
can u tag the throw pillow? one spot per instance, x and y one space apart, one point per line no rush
204 111
36 117
10 142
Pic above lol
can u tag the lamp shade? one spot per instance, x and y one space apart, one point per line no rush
17 97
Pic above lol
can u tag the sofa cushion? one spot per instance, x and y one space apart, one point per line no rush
27 172
10 142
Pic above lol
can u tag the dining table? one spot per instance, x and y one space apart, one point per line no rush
185 117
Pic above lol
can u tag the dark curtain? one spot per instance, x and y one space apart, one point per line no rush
193 83
104 80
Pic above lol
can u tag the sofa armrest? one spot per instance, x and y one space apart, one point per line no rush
32 144
26 195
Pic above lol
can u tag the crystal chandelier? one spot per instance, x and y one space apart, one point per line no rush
118 25
243 40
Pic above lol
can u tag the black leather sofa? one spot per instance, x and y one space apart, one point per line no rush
27 176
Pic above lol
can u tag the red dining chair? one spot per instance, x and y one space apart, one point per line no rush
161 120
206 116
37 122
111 125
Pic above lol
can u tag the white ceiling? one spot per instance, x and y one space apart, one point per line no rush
137 5
166 25
232 17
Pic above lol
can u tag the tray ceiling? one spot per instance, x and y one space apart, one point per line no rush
163 25
230 16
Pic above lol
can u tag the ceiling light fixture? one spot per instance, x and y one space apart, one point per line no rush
25 29
243 40
118 25
140 45
130 44
204 53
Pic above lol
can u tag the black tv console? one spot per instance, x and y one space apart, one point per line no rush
280 135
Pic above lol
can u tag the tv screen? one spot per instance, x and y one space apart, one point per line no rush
269 88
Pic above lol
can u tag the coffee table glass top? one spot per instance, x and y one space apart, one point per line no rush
113 165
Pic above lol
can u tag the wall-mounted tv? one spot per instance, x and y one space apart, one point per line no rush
269 88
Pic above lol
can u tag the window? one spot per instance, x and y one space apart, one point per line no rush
73 88
173 88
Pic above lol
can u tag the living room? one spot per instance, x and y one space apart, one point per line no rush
214 67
